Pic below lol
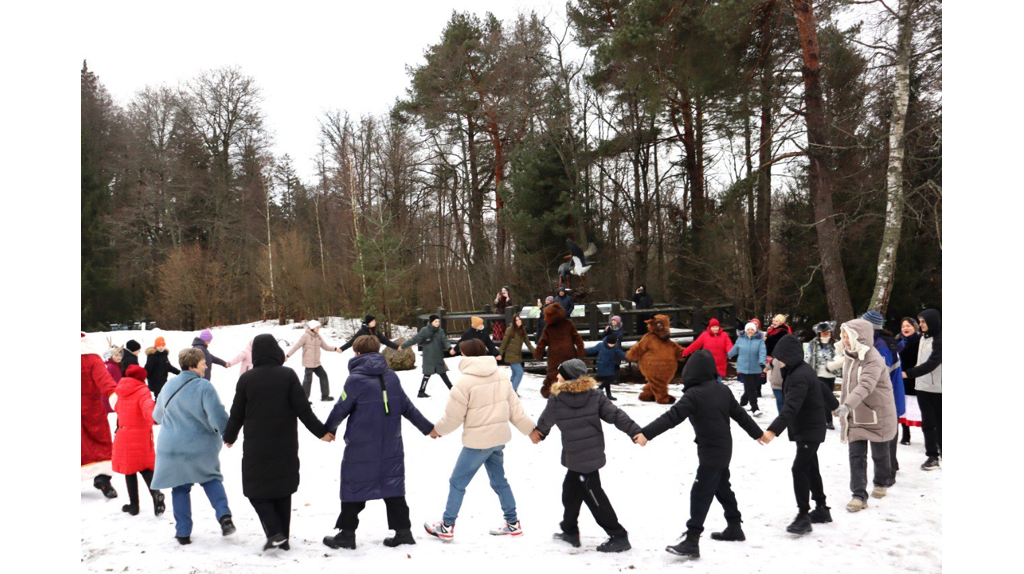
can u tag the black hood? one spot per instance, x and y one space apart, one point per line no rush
789 350
934 320
699 368
266 351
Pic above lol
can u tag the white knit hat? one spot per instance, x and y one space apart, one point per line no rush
750 326
313 324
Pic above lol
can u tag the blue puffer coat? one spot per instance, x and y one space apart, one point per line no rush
750 354
892 362
608 358
373 465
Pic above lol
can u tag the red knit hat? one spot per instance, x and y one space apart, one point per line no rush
160 342
136 372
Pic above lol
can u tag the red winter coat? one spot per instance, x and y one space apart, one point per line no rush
719 345
96 385
133 442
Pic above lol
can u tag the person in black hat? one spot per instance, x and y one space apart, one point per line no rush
369 328
131 356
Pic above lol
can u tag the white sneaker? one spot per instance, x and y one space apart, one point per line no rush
440 530
509 529
755 414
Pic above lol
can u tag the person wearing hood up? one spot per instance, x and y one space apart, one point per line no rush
577 407
435 348
369 327
805 399
717 341
158 366
928 382
311 342
819 352
202 342
709 406
483 403
373 466
134 452
609 356
867 414
564 299
268 400
751 356
887 346
642 300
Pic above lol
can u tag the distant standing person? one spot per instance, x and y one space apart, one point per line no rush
540 320
501 301
909 341
435 348
130 356
158 366
202 342
268 400
311 342
642 300
565 300
369 327
511 349
928 382
750 356
820 351
772 336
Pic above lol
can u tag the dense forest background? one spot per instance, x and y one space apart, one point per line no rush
782 155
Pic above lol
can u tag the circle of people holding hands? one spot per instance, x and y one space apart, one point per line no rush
886 380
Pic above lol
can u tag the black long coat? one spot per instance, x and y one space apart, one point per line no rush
805 397
709 405
157 368
268 400
371 331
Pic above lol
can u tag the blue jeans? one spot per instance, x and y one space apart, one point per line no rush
470 461
517 375
181 501
778 398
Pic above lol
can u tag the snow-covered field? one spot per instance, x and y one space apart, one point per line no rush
648 486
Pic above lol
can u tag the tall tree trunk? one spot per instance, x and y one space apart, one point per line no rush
894 175
270 258
694 172
836 293
763 219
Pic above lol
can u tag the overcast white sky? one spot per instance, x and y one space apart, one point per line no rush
306 56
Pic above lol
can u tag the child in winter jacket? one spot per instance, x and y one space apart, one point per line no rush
158 366
709 406
578 408
715 340
751 358
609 356
133 442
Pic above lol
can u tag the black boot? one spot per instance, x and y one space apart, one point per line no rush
102 482
275 541
821 515
732 533
423 389
573 539
688 547
158 502
616 543
183 540
226 526
285 546
403 536
801 524
343 539
131 508
906 435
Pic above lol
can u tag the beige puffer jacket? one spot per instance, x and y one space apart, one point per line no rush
866 388
483 400
310 343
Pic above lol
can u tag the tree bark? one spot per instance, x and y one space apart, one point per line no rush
820 183
894 175
761 252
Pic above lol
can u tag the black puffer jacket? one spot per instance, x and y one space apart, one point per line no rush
805 397
709 405
268 399
578 408
484 338
371 331
157 367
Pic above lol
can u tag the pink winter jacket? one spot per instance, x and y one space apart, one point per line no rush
310 343
244 358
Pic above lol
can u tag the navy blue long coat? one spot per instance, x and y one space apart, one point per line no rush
373 465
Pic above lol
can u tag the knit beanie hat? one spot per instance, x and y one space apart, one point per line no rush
206 335
756 322
875 318
617 319
136 372
477 322
550 299
160 342
781 318
610 339
368 319
431 318
572 369
313 324
132 345
751 325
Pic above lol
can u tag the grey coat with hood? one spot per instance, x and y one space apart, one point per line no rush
578 408
867 389
928 372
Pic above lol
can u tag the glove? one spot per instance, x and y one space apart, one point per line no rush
842 411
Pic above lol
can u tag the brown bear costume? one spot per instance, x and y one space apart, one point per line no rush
658 357
561 340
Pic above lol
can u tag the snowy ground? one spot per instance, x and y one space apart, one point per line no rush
649 488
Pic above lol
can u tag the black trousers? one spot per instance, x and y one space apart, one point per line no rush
397 509
931 421
307 382
579 488
807 477
275 514
711 483
607 382
751 390
132 482
444 378
830 384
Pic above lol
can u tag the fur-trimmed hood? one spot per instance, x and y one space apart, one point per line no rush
575 394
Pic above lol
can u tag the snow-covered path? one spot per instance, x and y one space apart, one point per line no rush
649 488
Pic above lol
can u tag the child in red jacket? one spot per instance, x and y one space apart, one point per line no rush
715 340
133 442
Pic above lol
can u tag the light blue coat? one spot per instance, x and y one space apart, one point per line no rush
750 354
188 448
